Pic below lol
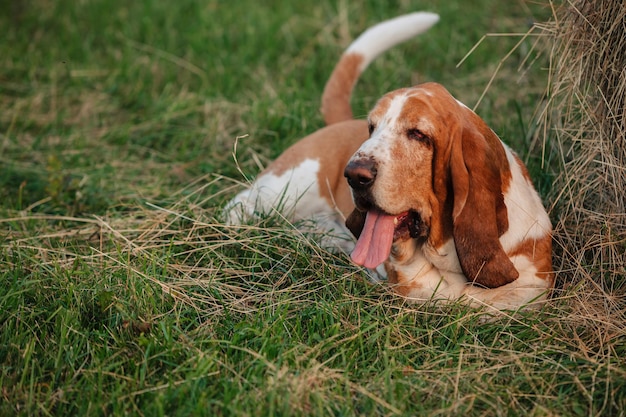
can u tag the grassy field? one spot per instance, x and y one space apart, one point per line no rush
121 293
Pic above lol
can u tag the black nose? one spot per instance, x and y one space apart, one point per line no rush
361 174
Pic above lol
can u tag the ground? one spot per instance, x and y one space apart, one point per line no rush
124 294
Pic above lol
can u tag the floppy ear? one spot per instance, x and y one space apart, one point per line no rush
355 222
479 214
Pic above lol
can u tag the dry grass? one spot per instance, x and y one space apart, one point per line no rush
584 121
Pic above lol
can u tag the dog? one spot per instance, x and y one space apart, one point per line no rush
438 203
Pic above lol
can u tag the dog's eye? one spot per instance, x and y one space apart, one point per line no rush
371 128
418 135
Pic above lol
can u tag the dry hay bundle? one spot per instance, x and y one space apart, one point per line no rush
586 122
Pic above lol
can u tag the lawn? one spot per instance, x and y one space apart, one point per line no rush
126 126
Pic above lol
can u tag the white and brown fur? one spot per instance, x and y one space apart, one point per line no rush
306 181
483 234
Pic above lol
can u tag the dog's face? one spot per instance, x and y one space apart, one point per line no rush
407 128
433 170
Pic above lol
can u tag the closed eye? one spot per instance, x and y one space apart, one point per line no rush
418 135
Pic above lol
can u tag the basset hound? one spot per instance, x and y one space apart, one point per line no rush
439 204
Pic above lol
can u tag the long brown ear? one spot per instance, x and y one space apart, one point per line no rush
480 217
355 222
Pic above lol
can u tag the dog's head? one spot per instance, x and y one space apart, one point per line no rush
431 169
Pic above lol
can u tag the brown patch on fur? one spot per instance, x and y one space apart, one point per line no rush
401 284
480 215
483 153
332 146
334 157
498 153
392 274
336 97
539 251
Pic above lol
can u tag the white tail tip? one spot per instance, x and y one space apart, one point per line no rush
385 35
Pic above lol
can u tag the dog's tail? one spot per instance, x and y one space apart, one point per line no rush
374 41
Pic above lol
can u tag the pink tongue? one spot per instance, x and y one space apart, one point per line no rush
374 244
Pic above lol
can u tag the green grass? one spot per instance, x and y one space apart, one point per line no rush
121 293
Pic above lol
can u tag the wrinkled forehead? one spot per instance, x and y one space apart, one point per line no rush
417 107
